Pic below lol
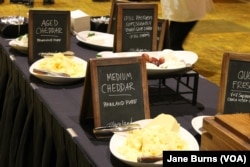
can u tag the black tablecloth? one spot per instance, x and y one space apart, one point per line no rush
36 117
39 122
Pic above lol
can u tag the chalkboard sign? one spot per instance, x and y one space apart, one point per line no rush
49 31
117 90
113 15
136 27
234 94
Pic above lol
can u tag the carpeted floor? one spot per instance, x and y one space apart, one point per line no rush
225 29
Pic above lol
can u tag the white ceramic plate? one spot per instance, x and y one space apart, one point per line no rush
188 57
18 46
118 140
99 40
58 80
197 123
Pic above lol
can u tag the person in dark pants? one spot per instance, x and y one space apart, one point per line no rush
178 32
183 15
25 2
48 2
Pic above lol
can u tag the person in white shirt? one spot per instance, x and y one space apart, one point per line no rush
183 16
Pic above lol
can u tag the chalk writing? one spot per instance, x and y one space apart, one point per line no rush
240 88
122 123
120 90
136 28
49 27
237 89
49 31
119 103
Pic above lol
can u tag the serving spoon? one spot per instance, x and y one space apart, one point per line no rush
45 72
107 131
66 53
149 159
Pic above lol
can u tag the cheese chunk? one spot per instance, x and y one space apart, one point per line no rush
166 121
162 133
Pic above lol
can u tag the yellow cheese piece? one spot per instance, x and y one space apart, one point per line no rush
161 133
166 121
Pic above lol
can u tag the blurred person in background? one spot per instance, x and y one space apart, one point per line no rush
183 16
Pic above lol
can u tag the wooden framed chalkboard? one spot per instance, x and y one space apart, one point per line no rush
49 31
115 91
234 96
136 27
113 15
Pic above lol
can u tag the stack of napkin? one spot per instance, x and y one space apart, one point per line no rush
80 21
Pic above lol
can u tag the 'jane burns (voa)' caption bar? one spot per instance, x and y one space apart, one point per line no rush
206 158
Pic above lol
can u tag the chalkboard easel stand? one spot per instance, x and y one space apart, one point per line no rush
136 23
49 31
234 94
115 91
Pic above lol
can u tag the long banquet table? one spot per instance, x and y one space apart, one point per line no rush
36 118
39 122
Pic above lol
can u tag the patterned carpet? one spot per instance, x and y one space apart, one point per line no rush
225 29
